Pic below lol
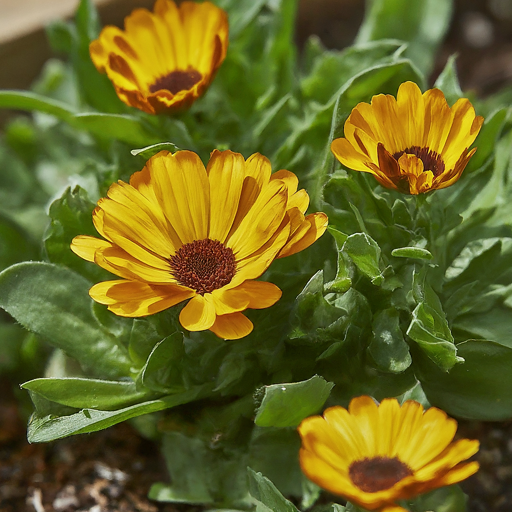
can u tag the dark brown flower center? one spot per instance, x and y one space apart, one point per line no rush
204 265
177 81
378 473
431 160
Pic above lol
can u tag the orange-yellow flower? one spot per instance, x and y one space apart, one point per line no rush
414 143
376 455
179 231
163 61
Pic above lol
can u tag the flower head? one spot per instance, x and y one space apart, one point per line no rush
179 231
375 455
163 61
414 143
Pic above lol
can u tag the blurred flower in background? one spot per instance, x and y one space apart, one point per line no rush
163 61
374 455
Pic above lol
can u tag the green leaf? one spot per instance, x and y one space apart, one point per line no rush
24 100
54 303
15 243
422 23
273 452
445 499
412 252
121 127
493 325
286 405
365 253
339 67
477 389
162 371
95 86
87 393
266 494
71 215
149 151
42 429
388 347
487 138
448 82
313 317
241 14
143 339
87 22
61 36
187 460
430 331
344 273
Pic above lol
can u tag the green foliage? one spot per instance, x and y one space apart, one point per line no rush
422 24
286 405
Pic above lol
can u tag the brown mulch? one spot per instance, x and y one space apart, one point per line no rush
108 471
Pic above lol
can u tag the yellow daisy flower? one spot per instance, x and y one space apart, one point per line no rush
179 231
414 143
376 455
163 61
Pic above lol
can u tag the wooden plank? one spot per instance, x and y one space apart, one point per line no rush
23 45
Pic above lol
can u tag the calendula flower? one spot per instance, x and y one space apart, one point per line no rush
179 231
163 61
414 143
376 455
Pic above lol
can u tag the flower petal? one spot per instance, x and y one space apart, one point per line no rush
198 314
86 246
232 327
226 173
312 229
136 299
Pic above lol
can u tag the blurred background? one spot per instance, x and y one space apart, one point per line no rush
480 33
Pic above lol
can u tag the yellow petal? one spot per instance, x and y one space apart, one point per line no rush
299 200
457 474
449 458
149 209
198 314
257 175
391 133
411 111
255 264
232 327
260 294
388 427
349 156
438 119
229 300
134 221
365 412
86 246
119 262
226 173
136 299
291 181
424 449
182 189
313 228
261 221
